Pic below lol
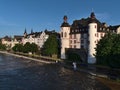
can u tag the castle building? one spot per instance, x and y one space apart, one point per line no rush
84 34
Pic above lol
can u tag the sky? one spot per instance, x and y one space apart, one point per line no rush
16 15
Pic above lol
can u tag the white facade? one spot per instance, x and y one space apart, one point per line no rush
38 39
42 39
84 33
64 40
92 31
118 30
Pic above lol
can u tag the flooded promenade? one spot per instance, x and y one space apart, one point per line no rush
18 73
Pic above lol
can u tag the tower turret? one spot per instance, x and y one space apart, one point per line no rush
65 30
25 33
92 31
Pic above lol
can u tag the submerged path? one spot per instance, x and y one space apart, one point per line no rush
22 74
25 57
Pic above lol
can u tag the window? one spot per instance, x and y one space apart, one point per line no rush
101 34
70 41
74 46
95 26
82 35
82 41
65 34
70 36
97 35
82 46
70 46
74 41
61 34
74 35
88 42
95 41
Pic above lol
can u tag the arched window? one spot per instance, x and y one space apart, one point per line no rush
61 34
65 34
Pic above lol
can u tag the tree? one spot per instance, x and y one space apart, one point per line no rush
103 49
108 50
73 57
2 46
50 47
27 47
18 48
34 48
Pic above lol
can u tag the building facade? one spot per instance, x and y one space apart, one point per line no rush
38 38
84 33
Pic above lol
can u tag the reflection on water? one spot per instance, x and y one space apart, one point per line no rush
22 74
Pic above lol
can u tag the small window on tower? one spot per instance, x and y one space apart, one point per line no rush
70 36
61 34
65 34
95 26
97 35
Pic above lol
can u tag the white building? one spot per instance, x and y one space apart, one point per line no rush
38 38
84 33
16 40
7 41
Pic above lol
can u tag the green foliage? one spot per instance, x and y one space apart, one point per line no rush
18 47
73 57
34 48
2 46
108 50
50 46
26 48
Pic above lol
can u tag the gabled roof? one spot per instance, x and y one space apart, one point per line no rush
7 38
81 26
17 37
114 27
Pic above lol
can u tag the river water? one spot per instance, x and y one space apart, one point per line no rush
22 74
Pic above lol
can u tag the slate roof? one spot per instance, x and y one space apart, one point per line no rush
7 38
17 37
65 24
114 27
81 26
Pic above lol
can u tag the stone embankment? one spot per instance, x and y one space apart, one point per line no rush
21 56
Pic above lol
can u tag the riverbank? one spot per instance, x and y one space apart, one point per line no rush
21 56
100 76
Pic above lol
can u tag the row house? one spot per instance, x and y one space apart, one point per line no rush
38 38
10 42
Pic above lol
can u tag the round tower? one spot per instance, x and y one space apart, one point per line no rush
65 30
92 31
